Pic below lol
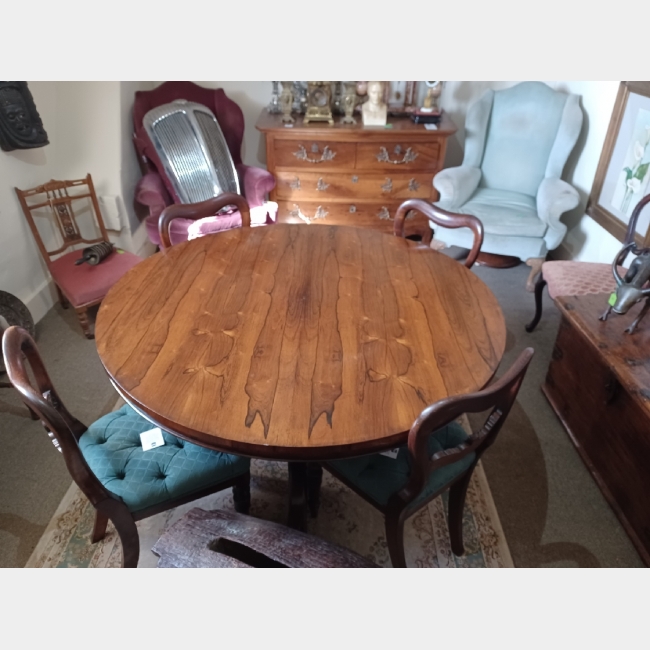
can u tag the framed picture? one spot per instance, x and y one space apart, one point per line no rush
623 173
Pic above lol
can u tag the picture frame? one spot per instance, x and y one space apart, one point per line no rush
623 173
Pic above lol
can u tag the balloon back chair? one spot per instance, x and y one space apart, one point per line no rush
438 456
74 219
106 460
155 189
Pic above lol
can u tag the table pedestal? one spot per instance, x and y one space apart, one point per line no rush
304 493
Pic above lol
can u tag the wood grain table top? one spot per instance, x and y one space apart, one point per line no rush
297 342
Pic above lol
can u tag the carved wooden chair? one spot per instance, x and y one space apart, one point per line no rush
81 286
442 218
197 211
124 483
439 456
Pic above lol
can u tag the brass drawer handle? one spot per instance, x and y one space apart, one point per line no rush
383 214
321 186
295 183
413 185
384 156
301 154
353 209
387 186
320 213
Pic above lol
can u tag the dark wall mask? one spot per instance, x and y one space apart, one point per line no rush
20 124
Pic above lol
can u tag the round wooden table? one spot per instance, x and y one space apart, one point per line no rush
297 343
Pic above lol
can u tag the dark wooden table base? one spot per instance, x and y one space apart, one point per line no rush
304 493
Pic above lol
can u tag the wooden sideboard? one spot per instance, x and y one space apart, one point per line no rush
598 383
348 174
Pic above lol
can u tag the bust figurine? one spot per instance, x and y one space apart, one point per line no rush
375 111
20 124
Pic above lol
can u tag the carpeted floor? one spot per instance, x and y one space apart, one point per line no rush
551 511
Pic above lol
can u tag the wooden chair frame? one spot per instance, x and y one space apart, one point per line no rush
65 431
59 200
442 218
499 397
200 210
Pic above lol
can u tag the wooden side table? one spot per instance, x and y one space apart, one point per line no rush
348 174
598 383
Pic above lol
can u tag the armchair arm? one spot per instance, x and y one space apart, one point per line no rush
151 191
256 184
554 198
456 185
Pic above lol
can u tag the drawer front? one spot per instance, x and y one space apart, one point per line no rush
358 214
315 186
314 154
398 156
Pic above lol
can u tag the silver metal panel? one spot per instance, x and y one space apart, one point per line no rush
191 146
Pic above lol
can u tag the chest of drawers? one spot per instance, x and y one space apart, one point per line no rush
348 174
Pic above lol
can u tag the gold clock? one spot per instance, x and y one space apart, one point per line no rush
319 102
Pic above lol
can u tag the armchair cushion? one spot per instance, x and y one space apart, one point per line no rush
380 476
85 284
113 450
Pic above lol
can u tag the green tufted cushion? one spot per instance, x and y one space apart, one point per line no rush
113 450
380 476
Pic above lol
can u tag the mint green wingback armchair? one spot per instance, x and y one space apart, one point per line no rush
517 143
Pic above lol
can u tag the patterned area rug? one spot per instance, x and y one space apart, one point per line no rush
344 518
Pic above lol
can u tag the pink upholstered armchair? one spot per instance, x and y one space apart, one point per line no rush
155 190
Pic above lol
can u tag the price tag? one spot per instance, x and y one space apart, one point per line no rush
391 453
431 127
612 299
151 439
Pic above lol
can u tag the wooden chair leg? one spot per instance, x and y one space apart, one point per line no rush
539 290
457 494
395 539
128 533
82 314
99 529
62 299
241 494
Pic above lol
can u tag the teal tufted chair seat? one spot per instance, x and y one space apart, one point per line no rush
112 448
380 476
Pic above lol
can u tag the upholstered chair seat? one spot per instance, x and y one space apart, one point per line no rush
89 284
380 477
112 448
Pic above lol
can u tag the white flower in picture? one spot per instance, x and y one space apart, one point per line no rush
635 173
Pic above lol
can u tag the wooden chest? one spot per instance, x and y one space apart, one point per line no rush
348 174
598 383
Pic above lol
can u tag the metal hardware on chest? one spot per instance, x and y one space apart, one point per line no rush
301 154
353 208
387 186
413 185
397 150
314 148
295 183
321 186
383 214
355 179
297 213
384 156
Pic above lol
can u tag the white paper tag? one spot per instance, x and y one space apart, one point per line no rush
152 438
431 127
391 453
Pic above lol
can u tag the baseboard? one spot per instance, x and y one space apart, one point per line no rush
42 300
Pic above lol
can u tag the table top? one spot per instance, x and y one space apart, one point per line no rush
297 342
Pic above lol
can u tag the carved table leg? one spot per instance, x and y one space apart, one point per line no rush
314 479
297 496
535 264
